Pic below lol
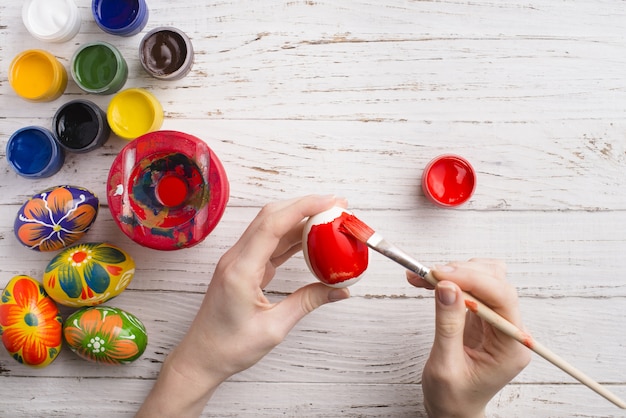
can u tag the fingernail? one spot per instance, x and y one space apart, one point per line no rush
447 268
446 293
338 294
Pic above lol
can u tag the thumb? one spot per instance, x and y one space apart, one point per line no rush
449 323
305 300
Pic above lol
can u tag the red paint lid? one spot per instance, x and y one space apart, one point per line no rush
449 180
167 190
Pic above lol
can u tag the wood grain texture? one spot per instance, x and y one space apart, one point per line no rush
354 98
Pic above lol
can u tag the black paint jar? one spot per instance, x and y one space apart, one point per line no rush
80 126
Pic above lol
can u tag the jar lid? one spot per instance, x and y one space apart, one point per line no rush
167 190
448 180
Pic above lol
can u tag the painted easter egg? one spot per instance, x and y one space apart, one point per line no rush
88 274
337 259
30 323
106 335
55 218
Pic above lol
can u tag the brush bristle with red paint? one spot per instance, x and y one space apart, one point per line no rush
357 228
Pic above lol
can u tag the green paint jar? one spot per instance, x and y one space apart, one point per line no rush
99 68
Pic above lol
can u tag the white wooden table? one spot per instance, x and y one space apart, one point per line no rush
354 98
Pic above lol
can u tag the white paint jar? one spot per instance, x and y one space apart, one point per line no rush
51 20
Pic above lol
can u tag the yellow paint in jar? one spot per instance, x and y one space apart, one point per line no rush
36 75
134 112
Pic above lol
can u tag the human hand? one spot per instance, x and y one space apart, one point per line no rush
236 324
470 361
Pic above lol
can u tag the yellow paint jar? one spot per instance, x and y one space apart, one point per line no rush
134 112
36 75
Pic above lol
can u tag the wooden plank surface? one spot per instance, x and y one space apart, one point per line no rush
354 98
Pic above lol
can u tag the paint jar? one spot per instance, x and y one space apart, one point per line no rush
99 68
120 17
36 75
33 153
134 112
51 20
80 126
166 53
448 180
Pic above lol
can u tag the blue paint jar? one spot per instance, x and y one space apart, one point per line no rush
120 17
33 152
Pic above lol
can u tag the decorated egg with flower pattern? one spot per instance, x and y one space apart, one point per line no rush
88 274
55 218
30 323
104 334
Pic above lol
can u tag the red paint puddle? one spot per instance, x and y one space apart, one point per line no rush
334 256
172 191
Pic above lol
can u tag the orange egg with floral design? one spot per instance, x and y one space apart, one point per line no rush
88 274
30 322
55 218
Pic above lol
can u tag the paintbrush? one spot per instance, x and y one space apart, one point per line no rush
359 230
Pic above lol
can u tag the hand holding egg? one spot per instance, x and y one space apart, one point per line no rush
335 258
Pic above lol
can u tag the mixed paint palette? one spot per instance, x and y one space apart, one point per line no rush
167 190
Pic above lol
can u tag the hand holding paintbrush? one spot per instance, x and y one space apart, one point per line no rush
355 227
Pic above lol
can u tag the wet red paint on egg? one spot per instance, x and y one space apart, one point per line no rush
335 258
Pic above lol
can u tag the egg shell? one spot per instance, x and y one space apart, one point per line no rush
105 335
88 274
30 322
55 218
335 258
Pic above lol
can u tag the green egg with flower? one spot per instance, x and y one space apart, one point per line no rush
105 335
88 274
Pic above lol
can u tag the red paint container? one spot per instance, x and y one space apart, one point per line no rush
449 180
167 190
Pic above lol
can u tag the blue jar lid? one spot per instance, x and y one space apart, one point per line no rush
33 152
120 17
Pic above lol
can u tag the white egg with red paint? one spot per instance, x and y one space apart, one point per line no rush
335 257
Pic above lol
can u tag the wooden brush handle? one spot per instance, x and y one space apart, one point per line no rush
513 331
379 244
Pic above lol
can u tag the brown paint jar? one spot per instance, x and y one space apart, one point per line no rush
166 53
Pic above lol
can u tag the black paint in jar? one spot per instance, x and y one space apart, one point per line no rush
80 126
